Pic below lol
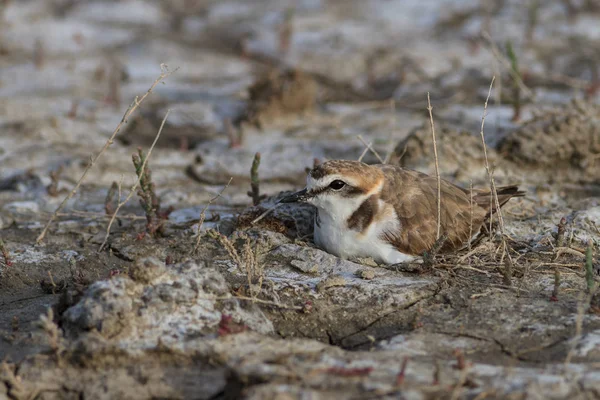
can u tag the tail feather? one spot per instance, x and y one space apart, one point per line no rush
505 193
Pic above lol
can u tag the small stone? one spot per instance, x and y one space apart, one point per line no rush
331 281
366 274
147 270
22 207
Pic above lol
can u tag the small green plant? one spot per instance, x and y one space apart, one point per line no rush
150 202
255 181
516 75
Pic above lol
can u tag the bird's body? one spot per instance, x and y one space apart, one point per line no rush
390 213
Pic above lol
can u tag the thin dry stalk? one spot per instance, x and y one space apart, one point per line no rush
133 189
132 107
437 169
567 250
487 163
369 147
509 262
392 131
470 213
203 215
267 212
226 243
464 373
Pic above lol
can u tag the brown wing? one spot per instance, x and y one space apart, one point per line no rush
414 197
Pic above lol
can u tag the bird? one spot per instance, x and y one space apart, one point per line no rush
390 213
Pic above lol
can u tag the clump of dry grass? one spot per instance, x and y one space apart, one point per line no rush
247 261
13 381
55 337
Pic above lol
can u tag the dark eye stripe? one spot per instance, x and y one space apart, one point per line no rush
348 192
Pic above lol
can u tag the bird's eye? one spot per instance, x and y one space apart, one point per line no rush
337 184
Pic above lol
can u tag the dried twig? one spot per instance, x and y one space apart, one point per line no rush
136 184
264 214
132 107
392 131
494 197
369 147
437 169
470 213
567 250
203 216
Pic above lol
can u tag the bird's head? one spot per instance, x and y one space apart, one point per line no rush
339 187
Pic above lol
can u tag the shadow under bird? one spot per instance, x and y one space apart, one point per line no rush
390 213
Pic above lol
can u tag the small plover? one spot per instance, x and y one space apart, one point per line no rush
390 213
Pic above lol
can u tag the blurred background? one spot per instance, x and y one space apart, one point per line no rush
298 81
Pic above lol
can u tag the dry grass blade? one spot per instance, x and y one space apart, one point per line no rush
369 147
470 213
136 184
392 131
132 107
264 214
437 169
494 198
203 215
487 163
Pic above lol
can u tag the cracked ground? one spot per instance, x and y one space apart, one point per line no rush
202 288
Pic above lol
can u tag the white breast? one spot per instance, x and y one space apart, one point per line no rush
332 235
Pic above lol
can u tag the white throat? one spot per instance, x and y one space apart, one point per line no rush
332 233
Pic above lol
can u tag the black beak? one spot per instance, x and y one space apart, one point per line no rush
300 196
